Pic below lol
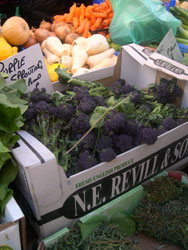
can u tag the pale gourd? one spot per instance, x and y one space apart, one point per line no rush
15 30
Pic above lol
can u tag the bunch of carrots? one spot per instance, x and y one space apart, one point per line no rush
88 18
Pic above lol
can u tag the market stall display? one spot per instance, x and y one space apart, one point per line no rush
93 141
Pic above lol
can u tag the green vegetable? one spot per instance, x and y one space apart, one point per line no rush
182 33
12 107
182 40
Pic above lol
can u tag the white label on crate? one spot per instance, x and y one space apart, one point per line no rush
115 183
168 47
28 64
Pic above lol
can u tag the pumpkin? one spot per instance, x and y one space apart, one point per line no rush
15 30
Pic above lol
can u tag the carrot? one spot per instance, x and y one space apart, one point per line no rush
89 34
93 19
98 22
62 18
107 36
87 14
57 17
104 6
86 29
75 22
101 15
108 11
111 15
107 21
90 8
81 28
77 12
71 13
108 3
82 10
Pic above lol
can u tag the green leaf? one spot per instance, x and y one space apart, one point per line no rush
8 116
8 139
19 85
17 101
2 82
3 203
126 224
8 172
3 149
97 113
3 158
111 101
3 192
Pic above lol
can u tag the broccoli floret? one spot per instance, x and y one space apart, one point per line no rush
169 123
166 91
107 154
80 124
86 160
148 135
132 128
89 141
118 87
65 111
42 106
104 142
99 100
87 104
136 97
38 95
80 92
115 121
123 142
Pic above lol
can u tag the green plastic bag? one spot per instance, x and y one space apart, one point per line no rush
140 21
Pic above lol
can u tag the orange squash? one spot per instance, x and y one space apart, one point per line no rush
15 30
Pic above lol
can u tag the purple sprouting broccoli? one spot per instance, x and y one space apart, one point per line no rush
86 160
65 111
135 97
89 141
80 124
131 128
38 95
99 100
42 106
166 91
148 135
30 112
87 104
120 87
80 92
123 142
115 122
107 154
169 123
181 121
104 141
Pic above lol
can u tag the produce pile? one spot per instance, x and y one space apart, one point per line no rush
12 108
105 236
85 19
163 211
88 123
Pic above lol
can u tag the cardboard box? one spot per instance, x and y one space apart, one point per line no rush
12 227
55 200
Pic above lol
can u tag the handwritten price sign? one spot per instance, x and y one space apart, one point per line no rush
29 65
168 47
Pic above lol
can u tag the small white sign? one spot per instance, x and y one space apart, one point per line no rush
168 47
28 64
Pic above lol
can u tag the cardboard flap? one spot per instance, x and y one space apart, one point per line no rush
139 53
166 65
